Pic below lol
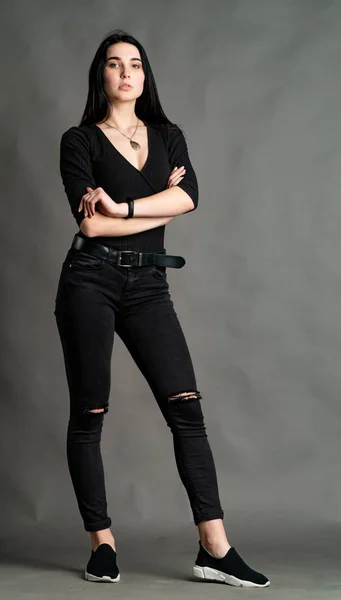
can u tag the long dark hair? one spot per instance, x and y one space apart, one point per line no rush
147 107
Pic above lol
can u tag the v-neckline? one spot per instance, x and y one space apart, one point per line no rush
120 153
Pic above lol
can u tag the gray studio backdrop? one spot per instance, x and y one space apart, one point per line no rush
256 86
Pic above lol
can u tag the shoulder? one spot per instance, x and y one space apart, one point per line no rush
80 137
170 133
78 132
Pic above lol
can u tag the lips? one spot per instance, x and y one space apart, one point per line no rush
127 86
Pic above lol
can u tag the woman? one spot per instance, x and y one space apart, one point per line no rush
126 174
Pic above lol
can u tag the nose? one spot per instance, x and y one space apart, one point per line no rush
125 71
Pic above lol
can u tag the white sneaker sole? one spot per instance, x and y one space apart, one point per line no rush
214 575
104 579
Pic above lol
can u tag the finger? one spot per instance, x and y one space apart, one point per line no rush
87 198
179 178
95 197
177 174
176 179
92 206
177 171
88 207
176 182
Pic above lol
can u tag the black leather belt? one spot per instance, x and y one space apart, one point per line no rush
127 258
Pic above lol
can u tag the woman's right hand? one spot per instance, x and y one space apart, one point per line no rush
176 175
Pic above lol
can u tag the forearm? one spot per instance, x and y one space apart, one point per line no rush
101 225
170 202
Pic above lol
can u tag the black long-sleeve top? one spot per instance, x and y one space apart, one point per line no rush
88 158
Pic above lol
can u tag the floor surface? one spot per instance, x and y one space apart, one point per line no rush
301 564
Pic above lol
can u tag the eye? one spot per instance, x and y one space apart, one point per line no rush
134 65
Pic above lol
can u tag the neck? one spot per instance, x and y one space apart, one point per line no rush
122 116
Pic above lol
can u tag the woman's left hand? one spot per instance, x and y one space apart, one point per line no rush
107 205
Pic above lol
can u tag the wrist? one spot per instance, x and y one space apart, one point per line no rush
122 209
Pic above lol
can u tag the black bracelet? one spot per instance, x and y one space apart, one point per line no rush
131 208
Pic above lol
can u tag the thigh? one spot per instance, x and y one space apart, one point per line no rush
86 323
152 333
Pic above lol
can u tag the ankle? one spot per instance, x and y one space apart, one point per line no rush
218 548
104 536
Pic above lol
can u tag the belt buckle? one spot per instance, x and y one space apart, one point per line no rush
119 257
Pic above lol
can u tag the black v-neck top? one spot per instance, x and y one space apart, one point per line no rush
88 158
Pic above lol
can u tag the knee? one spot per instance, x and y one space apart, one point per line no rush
185 396
185 414
101 409
86 424
86 419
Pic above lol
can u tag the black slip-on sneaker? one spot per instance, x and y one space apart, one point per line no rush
102 565
230 569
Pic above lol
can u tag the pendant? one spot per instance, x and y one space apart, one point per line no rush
135 145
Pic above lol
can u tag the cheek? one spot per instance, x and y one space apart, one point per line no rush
141 80
110 77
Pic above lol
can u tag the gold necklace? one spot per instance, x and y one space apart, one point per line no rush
133 144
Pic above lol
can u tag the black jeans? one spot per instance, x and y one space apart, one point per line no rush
95 299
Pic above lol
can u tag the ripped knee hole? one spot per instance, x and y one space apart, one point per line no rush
101 409
185 396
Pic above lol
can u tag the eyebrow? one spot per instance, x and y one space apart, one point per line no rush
118 58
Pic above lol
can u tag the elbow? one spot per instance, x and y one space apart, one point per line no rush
192 197
193 203
85 227
192 194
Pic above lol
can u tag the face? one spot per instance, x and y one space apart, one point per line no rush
123 66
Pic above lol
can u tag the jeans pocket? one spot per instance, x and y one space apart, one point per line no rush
82 261
159 272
